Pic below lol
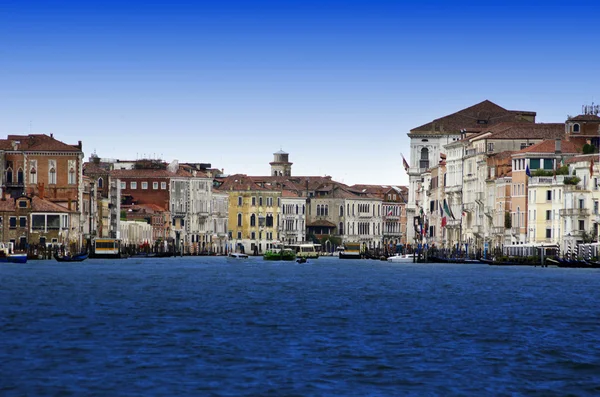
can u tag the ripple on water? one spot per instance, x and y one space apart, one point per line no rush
204 326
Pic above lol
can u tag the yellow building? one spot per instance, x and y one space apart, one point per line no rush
253 214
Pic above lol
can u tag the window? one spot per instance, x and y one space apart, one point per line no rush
595 207
534 164
239 201
163 185
22 221
548 164
260 201
252 220
548 233
155 185
253 201
424 160
581 225
581 201
22 204
123 185
12 222
133 185
52 172
33 172
341 211
490 147
575 127
239 220
144 185
253 235
341 228
548 195
548 215
239 235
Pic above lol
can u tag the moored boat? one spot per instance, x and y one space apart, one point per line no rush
237 255
401 258
351 251
71 258
7 257
278 254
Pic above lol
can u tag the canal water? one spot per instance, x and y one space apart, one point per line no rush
199 326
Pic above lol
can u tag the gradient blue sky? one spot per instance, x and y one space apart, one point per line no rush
337 84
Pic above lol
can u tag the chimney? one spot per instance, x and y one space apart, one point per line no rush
51 135
79 145
557 149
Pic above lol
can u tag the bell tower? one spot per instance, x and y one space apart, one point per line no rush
281 166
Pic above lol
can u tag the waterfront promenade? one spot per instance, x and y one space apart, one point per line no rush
203 326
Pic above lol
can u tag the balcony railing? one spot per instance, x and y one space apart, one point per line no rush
546 180
498 230
470 207
574 212
479 197
515 230
478 229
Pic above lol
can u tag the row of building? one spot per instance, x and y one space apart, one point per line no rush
50 195
487 178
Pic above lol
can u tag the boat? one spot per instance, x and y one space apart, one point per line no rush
351 251
237 255
301 260
71 258
279 254
106 248
7 257
401 258
339 249
307 250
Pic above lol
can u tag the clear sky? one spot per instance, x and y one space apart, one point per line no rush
337 84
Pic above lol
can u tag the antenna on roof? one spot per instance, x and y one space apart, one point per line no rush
30 125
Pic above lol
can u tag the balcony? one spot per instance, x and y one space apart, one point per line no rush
578 212
515 231
498 230
470 207
479 197
478 230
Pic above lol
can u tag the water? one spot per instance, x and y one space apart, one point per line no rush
211 327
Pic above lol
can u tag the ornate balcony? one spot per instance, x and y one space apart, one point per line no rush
578 212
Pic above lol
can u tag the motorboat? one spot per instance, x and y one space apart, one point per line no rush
237 255
71 258
6 254
339 250
401 258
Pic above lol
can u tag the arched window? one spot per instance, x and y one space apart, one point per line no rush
72 179
52 176
303 208
318 210
239 220
9 175
424 160
341 210
20 176
100 183
33 173
341 228
252 220
575 127
326 210
353 210
296 209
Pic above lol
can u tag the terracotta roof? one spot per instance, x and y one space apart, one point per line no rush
240 182
41 205
527 131
471 117
582 157
502 155
37 142
143 173
288 193
321 223
549 146
585 117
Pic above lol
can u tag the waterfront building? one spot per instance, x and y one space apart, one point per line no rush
254 215
40 165
427 142
292 228
499 202
136 233
537 196
219 218
32 220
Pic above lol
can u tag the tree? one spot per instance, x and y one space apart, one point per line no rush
507 220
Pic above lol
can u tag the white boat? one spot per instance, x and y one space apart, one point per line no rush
399 258
237 255
307 250
340 249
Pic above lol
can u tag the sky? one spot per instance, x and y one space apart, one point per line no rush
336 84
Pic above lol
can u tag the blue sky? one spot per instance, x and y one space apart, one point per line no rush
337 84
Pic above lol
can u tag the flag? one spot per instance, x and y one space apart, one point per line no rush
527 172
444 222
591 167
405 163
390 212
447 209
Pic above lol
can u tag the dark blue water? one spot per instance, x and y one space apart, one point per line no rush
210 327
